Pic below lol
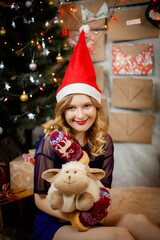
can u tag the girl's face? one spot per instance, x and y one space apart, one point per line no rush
80 113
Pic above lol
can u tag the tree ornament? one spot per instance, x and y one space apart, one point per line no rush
39 47
15 119
1 130
24 97
32 65
2 31
7 86
59 58
64 33
31 115
61 21
28 3
18 53
45 52
13 78
51 2
65 47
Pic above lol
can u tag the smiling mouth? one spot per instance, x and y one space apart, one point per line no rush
81 122
69 182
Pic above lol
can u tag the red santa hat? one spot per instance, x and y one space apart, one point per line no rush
80 75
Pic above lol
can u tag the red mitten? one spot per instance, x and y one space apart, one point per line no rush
98 211
83 220
67 148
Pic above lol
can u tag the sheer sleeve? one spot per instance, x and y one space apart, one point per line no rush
108 162
44 159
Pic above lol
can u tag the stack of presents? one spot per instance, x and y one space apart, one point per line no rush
132 64
16 190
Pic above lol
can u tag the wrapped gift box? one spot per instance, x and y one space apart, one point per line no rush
16 212
21 173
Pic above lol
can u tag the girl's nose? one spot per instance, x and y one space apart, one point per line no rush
80 113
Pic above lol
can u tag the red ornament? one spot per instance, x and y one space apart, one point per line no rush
64 33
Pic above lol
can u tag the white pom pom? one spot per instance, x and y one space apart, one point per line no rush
86 28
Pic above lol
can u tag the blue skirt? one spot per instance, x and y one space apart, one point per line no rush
45 226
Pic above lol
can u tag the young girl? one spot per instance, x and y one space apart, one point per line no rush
79 115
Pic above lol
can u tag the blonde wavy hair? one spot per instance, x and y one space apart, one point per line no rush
95 135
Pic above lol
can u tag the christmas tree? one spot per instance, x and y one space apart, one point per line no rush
33 53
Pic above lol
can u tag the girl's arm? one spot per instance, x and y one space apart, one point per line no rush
43 204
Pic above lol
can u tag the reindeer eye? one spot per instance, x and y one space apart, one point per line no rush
67 171
75 172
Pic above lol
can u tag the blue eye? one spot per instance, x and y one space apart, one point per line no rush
75 172
67 171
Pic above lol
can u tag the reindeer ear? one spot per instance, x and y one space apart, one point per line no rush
95 173
50 174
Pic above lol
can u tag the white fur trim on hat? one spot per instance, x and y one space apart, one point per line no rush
79 88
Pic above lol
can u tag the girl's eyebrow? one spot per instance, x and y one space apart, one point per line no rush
73 104
88 103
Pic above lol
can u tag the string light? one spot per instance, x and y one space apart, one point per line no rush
5 100
113 18
73 10
47 24
12 5
55 80
1 65
13 24
42 89
32 79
